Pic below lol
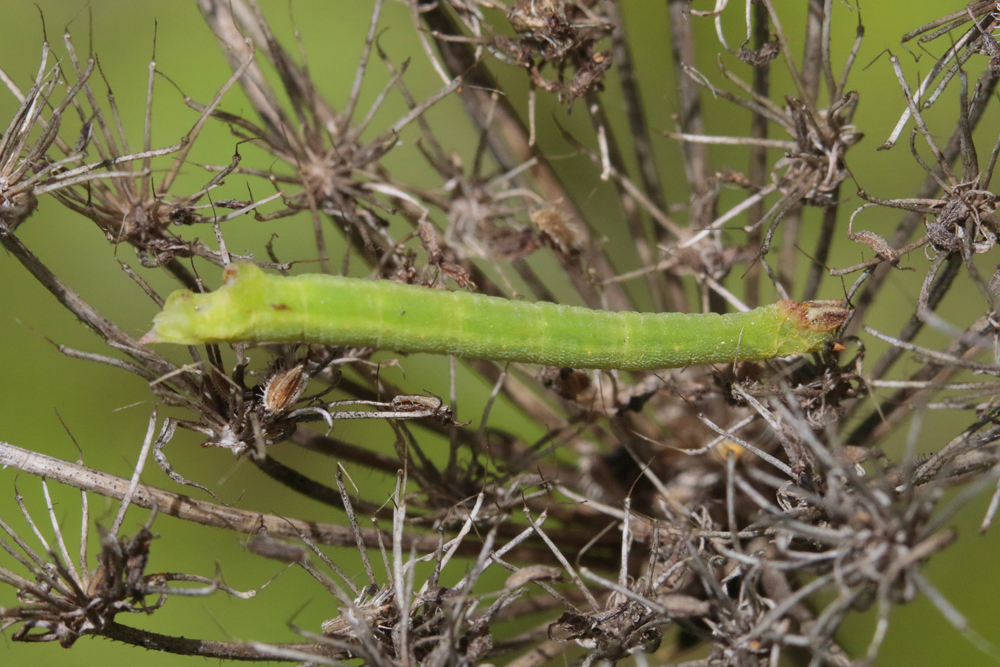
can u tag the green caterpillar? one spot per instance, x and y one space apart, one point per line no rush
255 307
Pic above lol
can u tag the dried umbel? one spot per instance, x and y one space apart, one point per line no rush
65 600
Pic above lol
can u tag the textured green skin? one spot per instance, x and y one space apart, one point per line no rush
257 307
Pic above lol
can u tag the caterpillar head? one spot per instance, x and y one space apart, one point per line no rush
807 326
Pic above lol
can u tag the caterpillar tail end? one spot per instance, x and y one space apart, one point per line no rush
150 337
211 317
177 322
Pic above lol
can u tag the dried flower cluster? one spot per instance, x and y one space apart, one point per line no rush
746 510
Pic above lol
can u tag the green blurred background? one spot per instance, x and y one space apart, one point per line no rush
106 410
